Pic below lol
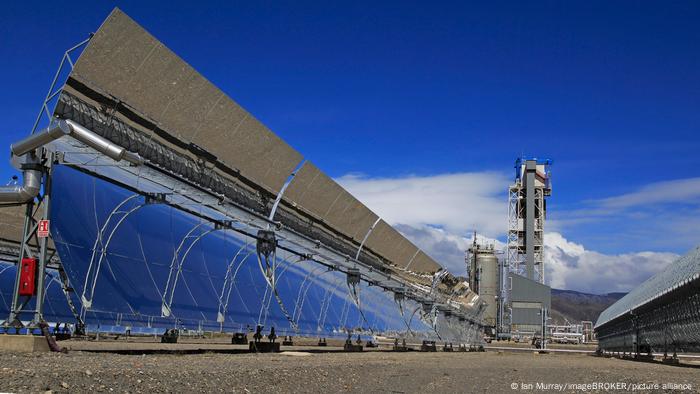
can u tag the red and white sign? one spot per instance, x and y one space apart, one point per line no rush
43 230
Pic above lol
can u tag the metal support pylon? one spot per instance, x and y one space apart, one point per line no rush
35 212
39 210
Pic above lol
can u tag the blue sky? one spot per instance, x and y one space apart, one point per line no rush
404 90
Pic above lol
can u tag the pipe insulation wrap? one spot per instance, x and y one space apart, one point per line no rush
32 173
37 140
101 144
22 193
80 133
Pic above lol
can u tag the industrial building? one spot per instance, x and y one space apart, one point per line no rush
529 303
514 290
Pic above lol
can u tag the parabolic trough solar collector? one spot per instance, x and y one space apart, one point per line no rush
152 264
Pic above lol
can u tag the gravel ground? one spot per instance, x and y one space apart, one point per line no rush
297 371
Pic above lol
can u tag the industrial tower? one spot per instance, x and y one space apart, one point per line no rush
525 298
526 215
484 279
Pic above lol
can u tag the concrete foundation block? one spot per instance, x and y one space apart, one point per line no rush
23 343
264 347
349 347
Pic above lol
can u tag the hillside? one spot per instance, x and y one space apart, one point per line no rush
573 306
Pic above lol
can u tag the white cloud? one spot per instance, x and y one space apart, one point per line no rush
456 202
438 212
445 247
660 215
568 265
679 190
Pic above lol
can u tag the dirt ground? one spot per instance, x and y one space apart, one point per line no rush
298 370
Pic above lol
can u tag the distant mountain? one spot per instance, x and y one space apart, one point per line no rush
574 306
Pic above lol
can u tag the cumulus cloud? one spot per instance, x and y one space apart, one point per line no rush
456 202
438 212
445 247
568 265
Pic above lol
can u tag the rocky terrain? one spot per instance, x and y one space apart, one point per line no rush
301 371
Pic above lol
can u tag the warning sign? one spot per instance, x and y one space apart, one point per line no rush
43 230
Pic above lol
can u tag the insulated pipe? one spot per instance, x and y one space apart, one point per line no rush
32 172
102 145
80 133
39 139
27 191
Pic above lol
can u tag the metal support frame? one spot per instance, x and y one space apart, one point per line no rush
39 209
177 262
53 92
35 211
327 257
181 195
525 246
525 236
278 199
67 289
92 275
229 285
303 290
369 232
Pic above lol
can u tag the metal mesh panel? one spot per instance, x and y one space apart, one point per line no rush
388 242
424 264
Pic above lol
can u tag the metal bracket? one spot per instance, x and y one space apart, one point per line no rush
224 225
399 295
155 198
267 243
357 255
283 189
353 276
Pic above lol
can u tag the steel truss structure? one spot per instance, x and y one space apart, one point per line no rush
524 251
515 248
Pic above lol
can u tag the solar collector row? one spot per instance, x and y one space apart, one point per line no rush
126 63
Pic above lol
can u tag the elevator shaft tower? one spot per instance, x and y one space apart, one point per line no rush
527 208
